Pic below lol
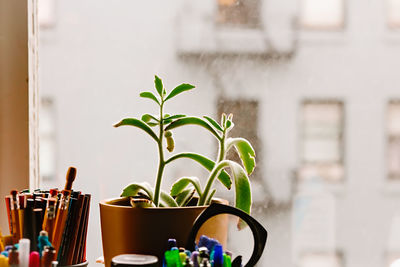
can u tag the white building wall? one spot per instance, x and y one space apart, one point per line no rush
100 54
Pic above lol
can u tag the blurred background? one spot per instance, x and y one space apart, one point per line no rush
313 84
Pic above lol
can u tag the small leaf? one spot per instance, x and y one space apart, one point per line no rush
159 85
209 198
150 95
214 123
147 117
245 152
152 124
166 200
182 183
229 124
192 121
139 124
207 163
179 89
169 119
185 196
175 117
133 189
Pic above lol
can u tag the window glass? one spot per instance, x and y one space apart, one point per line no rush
393 139
242 13
322 14
393 13
321 139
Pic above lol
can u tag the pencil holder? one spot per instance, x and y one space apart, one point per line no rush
83 264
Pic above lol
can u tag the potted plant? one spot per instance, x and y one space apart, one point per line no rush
144 217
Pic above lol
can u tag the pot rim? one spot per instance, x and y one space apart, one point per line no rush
107 202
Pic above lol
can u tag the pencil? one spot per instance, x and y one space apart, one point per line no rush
8 206
50 218
61 217
15 216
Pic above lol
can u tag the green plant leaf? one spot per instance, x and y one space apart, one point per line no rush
207 163
159 85
185 196
209 198
150 95
133 189
182 183
179 89
166 200
147 117
169 119
192 121
173 117
137 123
214 123
229 125
245 152
242 189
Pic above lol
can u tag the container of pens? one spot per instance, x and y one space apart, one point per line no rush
50 224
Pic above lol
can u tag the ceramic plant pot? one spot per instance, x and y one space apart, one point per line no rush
146 230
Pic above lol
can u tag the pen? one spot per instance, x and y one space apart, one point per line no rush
218 256
13 257
60 219
50 218
49 255
227 260
22 203
34 259
24 251
15 216
8 207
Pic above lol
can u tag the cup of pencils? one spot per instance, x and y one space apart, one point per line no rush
47 228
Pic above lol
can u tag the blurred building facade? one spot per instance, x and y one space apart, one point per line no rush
313 85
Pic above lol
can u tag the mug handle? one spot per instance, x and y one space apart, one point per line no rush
259 232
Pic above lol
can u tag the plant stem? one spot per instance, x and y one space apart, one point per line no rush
161 163
216 170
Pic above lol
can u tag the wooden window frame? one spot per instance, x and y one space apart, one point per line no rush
18 94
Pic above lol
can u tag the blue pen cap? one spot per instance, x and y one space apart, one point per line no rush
218 258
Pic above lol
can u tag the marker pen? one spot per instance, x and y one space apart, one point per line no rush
3 261
195 258
49 255
13 257
205 263
218 257
34 259
24 251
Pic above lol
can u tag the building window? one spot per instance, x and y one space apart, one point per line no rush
393 139
46 13
239 13
393 13
242 110
322 144
323 259
47 136
322 14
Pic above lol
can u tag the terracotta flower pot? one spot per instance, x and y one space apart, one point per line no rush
147 230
